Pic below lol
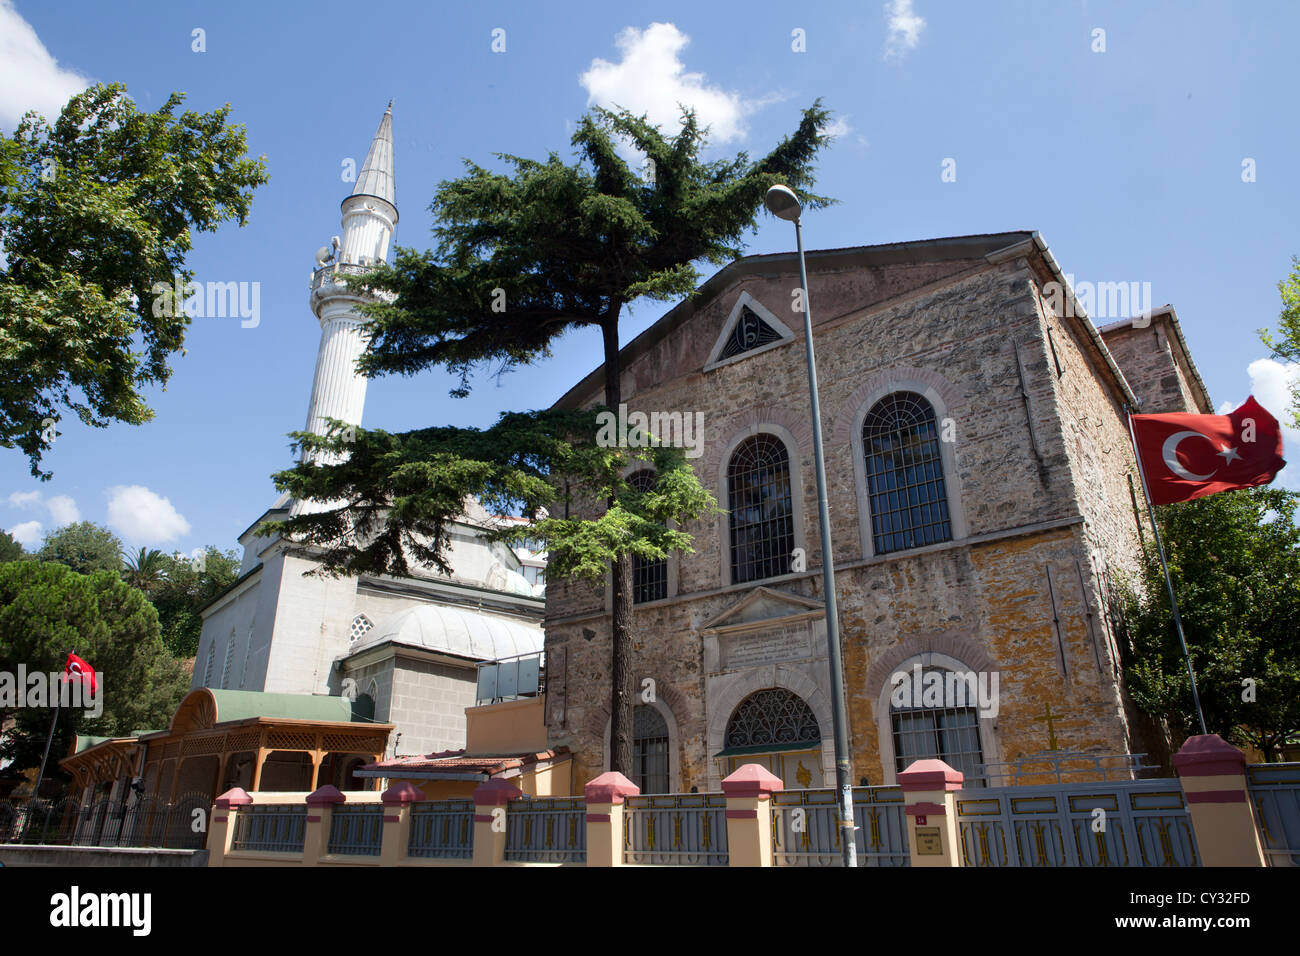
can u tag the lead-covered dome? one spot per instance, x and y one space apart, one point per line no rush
452 630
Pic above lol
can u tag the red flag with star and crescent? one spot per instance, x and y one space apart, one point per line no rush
78 669
1189 456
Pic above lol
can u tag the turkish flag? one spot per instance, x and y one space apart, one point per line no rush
1189 456
79 669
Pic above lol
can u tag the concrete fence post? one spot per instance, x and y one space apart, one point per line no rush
1213 776
221 833
604 797
749 815
397 801
929 792
490 803
320 814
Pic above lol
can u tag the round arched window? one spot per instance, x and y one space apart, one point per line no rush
770 717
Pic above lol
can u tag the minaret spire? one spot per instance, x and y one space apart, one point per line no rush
369 217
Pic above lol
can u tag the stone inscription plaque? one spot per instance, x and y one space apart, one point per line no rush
769 646
928 841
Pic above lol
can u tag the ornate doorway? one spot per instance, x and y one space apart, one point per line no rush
776 729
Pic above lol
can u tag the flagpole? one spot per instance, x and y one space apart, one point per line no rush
36 791
1169 582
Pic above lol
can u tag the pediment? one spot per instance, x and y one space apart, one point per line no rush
751 328
764 607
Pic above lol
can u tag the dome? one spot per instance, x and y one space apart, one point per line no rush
453 630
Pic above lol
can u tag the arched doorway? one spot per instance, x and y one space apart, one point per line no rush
776 729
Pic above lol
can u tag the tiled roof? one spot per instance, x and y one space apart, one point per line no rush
457 761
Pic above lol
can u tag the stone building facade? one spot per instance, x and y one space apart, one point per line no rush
979 472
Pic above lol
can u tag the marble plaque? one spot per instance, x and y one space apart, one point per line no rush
768 646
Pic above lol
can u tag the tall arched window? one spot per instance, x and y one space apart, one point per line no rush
904 466
943 732
649 750
649 578
762 513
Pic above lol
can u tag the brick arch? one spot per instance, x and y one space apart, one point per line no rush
671 706
750 422
971 653
847 413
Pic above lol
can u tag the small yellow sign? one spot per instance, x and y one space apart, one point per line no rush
928 841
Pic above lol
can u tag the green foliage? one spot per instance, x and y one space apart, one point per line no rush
403 491
10 550
84 547
182 588
1235 562
47 610
94 211
144 569
1287 347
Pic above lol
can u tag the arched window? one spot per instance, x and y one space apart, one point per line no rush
649 578
904 467
762 513
212 657
230 660
649 750
360 624
770 718
943 732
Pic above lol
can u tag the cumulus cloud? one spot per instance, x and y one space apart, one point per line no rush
28 534
30 79
62 509
903 28
143 516
1270 383
651 79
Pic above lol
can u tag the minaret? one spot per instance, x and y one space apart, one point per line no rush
369 218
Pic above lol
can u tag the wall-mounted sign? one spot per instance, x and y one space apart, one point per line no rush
928 841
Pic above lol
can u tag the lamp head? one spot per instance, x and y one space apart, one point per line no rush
783 203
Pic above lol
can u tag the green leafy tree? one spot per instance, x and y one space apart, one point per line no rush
10 550
1235 562
1287 345
94 211
184 586
47 610
522 258
145 569
84 547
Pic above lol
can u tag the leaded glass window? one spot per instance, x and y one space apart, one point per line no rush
950 734
649 750
772 716
762 514
360 625
649 578
905 485
749 332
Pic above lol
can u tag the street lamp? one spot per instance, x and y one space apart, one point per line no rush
784 204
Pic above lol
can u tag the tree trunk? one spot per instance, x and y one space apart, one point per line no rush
623 684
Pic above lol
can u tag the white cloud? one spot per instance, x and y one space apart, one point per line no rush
28 534
651 79
25 499
1270 383
63 510
839 127
30 79
904 28
143 516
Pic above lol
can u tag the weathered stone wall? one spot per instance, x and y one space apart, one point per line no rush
1153 363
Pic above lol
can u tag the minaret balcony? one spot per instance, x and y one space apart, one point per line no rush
331 274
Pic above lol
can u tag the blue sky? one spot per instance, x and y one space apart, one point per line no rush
1128 160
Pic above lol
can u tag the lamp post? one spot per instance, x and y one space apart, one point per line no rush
784 204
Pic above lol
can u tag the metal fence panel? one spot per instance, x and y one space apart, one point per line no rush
270 828
547 830
357 830
442 829
682 829
804 831
1275 790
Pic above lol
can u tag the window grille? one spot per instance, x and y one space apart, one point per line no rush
905 485
360 625
649 578
230 660
207 667
649 750
772 716
950 734
750 332
762 514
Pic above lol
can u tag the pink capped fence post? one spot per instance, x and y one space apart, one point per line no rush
929 792
320 814
397 801
1213 775
604 797
490 803
749 815
221 832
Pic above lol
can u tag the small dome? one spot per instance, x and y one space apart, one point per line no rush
453 630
